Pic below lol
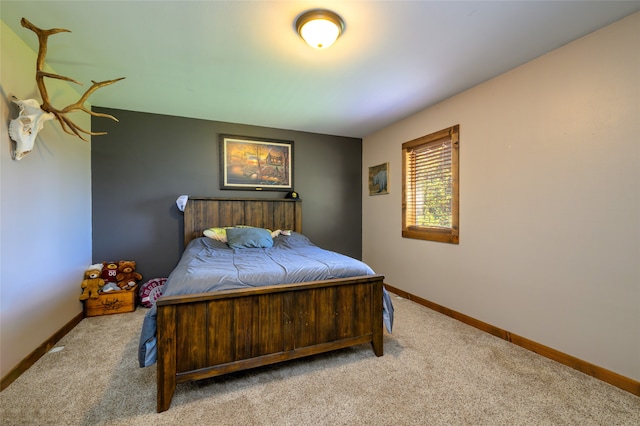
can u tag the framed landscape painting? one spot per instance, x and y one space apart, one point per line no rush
255 164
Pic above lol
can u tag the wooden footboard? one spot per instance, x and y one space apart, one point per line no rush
206 335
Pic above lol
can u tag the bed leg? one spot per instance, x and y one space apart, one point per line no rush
164 398
376 340
377 347
166 357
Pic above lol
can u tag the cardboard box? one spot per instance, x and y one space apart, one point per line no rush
113 302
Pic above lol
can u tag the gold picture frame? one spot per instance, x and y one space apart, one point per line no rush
255 164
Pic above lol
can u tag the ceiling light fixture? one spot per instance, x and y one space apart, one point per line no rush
319 28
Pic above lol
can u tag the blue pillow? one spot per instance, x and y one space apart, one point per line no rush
249 238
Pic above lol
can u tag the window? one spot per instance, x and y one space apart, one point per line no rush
430 187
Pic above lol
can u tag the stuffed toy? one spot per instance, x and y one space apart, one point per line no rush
110 287
127 276
109 272
92 282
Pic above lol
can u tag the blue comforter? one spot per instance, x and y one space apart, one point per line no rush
209 265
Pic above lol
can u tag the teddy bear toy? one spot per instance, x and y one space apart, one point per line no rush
92 283
127 276
109 272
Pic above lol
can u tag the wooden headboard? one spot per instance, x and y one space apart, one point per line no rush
202 213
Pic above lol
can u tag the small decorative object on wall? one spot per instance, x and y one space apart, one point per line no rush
378 176
255 164
24 129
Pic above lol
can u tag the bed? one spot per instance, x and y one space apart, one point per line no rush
202 332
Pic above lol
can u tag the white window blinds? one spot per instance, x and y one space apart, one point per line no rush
430 186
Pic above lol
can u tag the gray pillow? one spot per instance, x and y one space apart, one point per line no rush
238 238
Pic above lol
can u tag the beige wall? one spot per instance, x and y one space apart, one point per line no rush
45 215
549 202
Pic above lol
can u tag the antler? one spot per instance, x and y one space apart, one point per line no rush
67 125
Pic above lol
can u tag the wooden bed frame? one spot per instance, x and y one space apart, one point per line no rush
209 334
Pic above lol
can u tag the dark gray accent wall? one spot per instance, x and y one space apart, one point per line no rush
146 161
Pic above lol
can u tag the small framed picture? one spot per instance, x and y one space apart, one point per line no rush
255 164
378 179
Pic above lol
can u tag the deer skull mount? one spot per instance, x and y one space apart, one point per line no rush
24 129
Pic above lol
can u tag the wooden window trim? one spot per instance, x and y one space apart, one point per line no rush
446 235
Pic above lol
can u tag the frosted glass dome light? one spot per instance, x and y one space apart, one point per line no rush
319 28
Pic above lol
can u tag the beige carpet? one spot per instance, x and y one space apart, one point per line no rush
435 371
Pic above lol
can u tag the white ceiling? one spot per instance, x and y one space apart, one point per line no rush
242 61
